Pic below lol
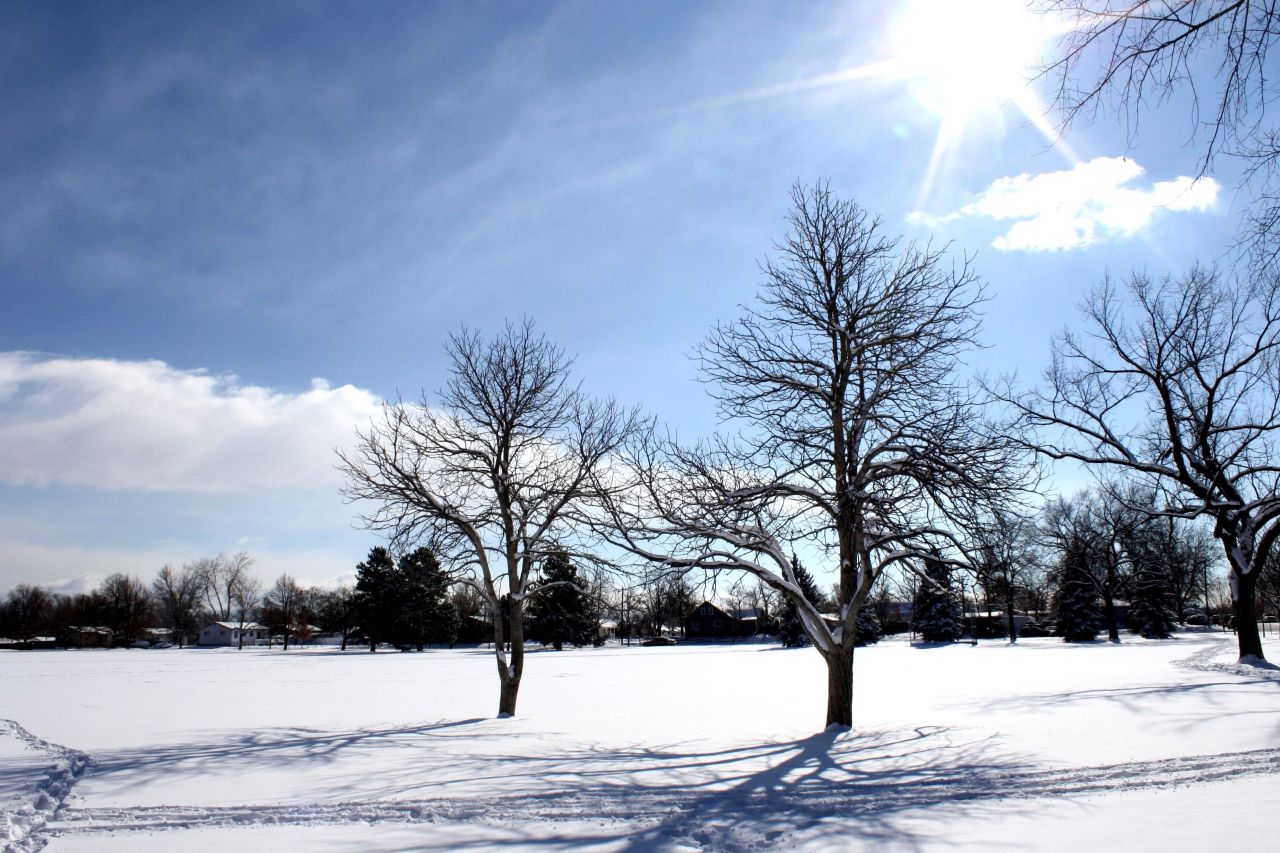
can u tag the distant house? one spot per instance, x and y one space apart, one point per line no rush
608 629
989 626
473 629
228 634
710 622
85 637
28 643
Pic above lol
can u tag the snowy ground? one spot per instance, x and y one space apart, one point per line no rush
1041 746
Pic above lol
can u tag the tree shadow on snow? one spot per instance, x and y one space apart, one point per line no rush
836 786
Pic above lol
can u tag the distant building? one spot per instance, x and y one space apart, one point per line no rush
710 622
85 637
228 634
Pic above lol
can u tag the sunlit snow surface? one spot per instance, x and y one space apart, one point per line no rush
1042 746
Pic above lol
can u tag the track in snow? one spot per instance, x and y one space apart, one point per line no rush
24 827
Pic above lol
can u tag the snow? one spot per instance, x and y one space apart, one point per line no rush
1040 746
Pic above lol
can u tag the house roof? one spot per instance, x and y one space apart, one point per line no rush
742 614
247 626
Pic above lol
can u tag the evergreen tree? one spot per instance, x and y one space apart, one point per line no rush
790 630
426 613
1076 605
937 611
562 613
377 597
868 626
1151 606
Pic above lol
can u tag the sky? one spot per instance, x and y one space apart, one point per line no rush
230 230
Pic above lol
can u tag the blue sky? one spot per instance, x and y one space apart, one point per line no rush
230 229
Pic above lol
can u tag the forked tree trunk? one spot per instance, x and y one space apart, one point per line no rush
510 671
1250 643
840 688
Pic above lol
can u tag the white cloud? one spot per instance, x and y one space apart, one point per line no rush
146 426
1090 203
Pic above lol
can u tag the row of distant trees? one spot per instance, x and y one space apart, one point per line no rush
1073 565
182 601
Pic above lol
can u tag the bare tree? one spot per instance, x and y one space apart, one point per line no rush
285 606
1006 560
1183 392
336 610
177 598
220 578
1126 56
857 436
26 612
126 606
243 599
494 474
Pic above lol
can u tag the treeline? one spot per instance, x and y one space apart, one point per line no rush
174 606
1101 561
1091 564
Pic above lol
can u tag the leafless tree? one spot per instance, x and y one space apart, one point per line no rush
285 606
1187 552
177 597
1006 560
26 612
1127 56
336 610
494 474
856 434
126 606
220 579
244 597
1178 384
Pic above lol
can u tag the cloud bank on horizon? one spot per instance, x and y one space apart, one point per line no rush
1093 202
110 424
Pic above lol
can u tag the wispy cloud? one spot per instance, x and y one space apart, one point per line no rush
145 426
1093 202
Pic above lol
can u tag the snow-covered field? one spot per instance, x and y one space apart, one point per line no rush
1041 746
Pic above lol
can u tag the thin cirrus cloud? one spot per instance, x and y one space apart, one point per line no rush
1094 202
145 426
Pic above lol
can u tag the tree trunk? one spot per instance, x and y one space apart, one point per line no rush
1250 643
840 688
1109 608
509 672
1008 615
344 642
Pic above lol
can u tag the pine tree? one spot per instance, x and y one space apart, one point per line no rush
937 611
426 613
377 597
790 630
1151 607
868 626
1076 605
562 614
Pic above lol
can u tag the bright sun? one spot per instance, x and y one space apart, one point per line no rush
964 58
